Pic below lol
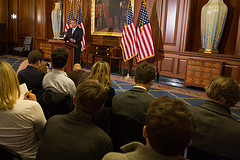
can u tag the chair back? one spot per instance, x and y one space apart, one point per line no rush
125 130
7 154
196 154
103 120
27 43
54 103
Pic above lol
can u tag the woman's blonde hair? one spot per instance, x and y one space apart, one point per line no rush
9 86
101 71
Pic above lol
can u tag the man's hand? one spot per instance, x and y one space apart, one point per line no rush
72 40
30 96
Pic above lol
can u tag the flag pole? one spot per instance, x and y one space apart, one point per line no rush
128 77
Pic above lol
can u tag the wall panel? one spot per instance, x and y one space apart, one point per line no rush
39 19
4 6
171 24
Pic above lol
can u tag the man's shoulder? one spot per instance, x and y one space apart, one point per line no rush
80 29
115 156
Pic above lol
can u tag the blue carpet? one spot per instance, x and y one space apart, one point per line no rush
121 84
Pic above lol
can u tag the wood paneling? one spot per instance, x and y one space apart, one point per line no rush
168 65
26 16
40 19
4 20
181 67
171 25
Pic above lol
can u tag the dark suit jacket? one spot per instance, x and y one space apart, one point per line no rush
32 77
77 35
217 132
132 104
70 137
78 76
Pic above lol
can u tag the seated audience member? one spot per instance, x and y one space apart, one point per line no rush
25 63
217 132
101 71
73 136
78 75
129 108
22 121
31 75
133 104
57 80
168 131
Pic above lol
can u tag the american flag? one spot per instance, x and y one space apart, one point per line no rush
144 36
81 25
128 41
70 17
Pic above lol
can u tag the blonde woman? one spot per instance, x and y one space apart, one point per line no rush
101 71
22 121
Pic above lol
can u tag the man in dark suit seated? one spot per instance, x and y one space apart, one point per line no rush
168 131
133 104
129 108
74 35
73 136
31 75
217 132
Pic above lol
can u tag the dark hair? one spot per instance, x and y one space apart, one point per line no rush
170 126
34 56
59 58
90 97
144 73
74 20
224 90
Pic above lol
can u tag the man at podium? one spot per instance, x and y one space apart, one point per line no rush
74 35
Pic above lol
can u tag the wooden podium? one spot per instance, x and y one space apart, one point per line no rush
55 43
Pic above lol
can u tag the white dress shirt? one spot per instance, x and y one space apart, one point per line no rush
58 82
21 128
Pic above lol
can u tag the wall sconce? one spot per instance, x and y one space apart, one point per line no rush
14 16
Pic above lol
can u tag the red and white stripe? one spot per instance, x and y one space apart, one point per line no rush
81 25
128 42
144 42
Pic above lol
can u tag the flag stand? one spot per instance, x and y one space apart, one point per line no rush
128 77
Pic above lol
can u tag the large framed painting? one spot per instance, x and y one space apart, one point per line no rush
108 17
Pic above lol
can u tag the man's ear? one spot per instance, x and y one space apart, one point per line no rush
134 79
38 63
74 100
145 132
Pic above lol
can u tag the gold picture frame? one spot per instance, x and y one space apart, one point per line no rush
108 17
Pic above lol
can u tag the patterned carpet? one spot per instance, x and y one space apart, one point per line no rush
121 84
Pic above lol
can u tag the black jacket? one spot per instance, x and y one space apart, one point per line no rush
32 77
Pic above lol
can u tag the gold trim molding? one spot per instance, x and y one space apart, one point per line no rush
93 32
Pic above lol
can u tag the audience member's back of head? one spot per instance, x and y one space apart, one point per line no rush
35 56
224 90
90 98
101 71
144 73
170 126
77 66
10 91
59 58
